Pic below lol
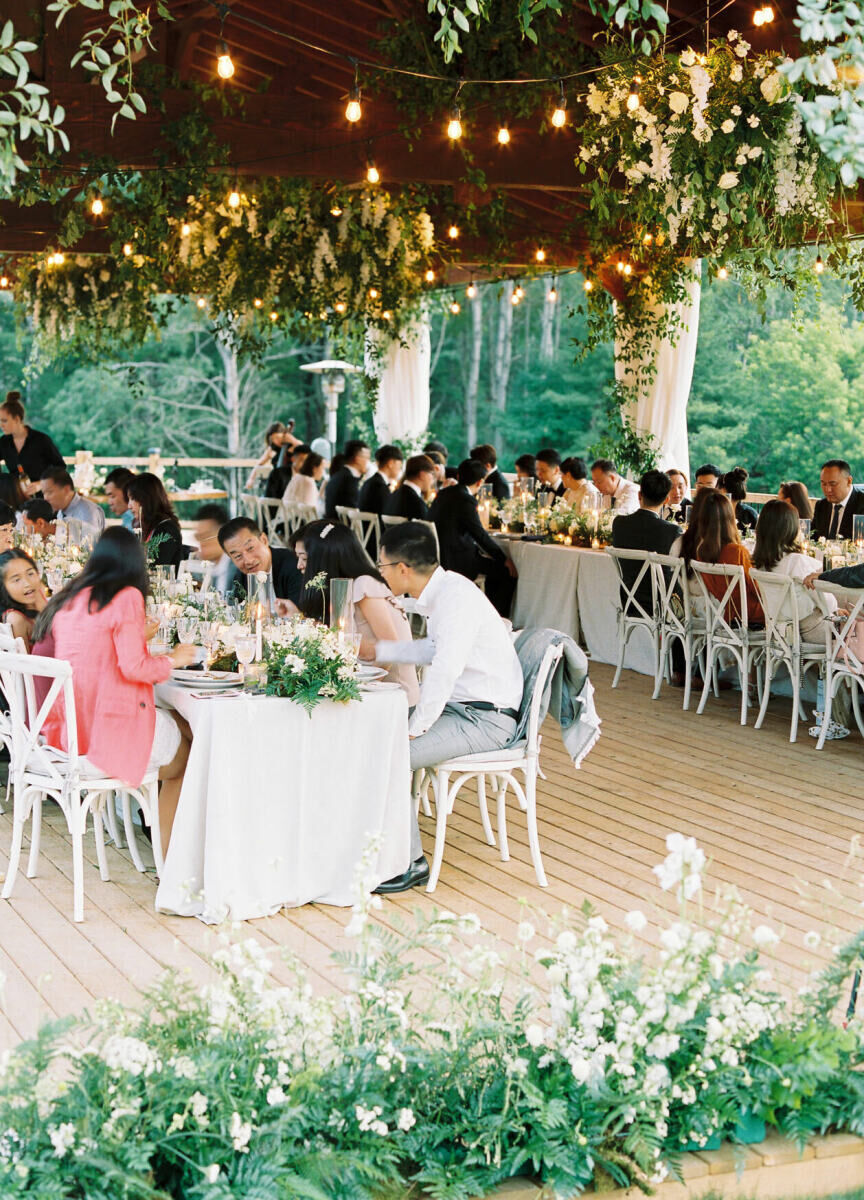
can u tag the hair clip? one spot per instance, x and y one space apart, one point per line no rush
325 531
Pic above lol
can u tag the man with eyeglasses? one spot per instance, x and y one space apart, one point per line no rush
209 519
472 683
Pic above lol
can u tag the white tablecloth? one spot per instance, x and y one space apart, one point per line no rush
277 807
574 590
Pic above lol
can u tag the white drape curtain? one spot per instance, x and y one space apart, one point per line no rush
402 411
661 408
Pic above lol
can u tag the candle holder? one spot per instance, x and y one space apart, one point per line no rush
342 608
858 535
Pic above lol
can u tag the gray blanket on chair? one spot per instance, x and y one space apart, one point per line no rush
569 694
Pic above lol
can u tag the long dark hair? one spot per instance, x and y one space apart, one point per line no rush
734 484
712 526
6 600
150 493
777 533
795 493
336 550
117 562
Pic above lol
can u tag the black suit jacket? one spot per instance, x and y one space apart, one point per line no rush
822 516
287 578
851 577
461 537
374 494
642 530
405 502
343 489
499 485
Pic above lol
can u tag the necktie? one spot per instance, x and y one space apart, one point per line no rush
835 521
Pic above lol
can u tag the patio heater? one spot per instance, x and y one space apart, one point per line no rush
332 373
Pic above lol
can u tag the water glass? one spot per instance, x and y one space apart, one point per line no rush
342 607
804 527
244 648
187 628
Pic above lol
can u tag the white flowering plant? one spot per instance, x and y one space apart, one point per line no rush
443 1065
308 663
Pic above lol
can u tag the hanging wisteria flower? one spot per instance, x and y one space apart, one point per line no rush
679 102
729 179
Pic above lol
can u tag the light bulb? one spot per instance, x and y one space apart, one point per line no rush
340 306
471 291
455 307
258 303
503 136
224 64
430 276
520 291
628 269
185 229
619 266
353 109
234 200
274 316
59 258
4 281
372 174
559 116
819 265
540 255
97 207
127 248
453 232
722 273
588 285
552 295
335 211
387 315
633 98
373 293
647 239
201 302
454 127
515 298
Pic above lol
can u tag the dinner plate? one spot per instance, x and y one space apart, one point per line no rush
206 679
367 673
379 685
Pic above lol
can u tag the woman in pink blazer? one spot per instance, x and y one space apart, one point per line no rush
98 624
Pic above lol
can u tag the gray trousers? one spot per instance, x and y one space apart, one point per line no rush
459 730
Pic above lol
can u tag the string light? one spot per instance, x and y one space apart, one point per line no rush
274 316
58 259
455 308
819 265
559 115
335 211
429 276
127 248
201 302
619 266
372 174
387 315
471 290
628 269
453 232
633 98
552 294
4 281
340 306
258 303
185 228
763 16
722 273
224 63
454 126
540 255
647 239
373 293
520 291
588 285
234 199
96 206
353 109
515 299
503 136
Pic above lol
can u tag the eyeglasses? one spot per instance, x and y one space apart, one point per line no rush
382 566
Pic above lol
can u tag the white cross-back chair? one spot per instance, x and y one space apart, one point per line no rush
41 771
781 597
632 613
843 660
387 521
745 645
8 641
363 524
298 515
499 767
272 517
249 506
678 620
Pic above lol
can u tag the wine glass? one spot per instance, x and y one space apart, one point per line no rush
244 648
160 643
209 631
187 627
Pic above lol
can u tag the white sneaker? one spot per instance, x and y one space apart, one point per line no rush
834 732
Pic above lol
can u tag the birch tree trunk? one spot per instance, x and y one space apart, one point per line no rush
503 349
473 385
231 372
547 327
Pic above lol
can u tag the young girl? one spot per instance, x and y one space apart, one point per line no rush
22 596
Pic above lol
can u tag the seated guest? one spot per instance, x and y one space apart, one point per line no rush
343 486
38 518
442 479
115 494
548 468
624 495
472 683
407 501
526 472
466 547
305 482
154 516
250 551
494 479
832 516
678 501
712 537
578 488
796 494
98 624
288 463
209 519
645 529
734 485
440 448
27 452
59 490
334 550
375 492
707 476
22 596
778 549
7 527
272 450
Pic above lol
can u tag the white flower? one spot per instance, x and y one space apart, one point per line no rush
62 1139
129 1054
678 101
754 152
276 1095
198 1105
636 920
525 932
729 179
727 126
812 939
184 1068
534 1035
741 48
566 941
764 936
212 1173
736 110
737 73
240 1132
383 1062
688 58
753 121
772 87
406 1119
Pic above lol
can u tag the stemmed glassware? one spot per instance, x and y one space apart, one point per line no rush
209 631
187 628
244 648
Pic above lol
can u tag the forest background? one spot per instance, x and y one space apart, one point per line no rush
777 391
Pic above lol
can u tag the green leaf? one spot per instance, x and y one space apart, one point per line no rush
461 20
138 101
127 111
7 35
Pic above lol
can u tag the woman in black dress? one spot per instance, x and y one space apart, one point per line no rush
152 511
27 452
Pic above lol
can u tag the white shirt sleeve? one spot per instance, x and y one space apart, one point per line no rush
455 633
420 652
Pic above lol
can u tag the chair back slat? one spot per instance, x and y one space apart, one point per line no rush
780 596
719 627
845 651
551 658
672 594
272 518
298 515
631 607
18 673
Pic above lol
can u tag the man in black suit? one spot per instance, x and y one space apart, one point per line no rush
465 545
645 529
494 479
343 487
832 517
549 478
440 448
250 551
375 492
407 501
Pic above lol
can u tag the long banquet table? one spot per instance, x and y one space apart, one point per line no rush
574 590
277 807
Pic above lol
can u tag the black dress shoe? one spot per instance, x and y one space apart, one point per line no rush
416 874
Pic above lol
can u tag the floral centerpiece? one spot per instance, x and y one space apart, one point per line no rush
581 527
308 663
57 564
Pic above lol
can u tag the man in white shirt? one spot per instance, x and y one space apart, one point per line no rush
472 682
59 490
623 493
209 519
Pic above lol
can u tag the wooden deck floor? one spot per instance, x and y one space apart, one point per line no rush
775 820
